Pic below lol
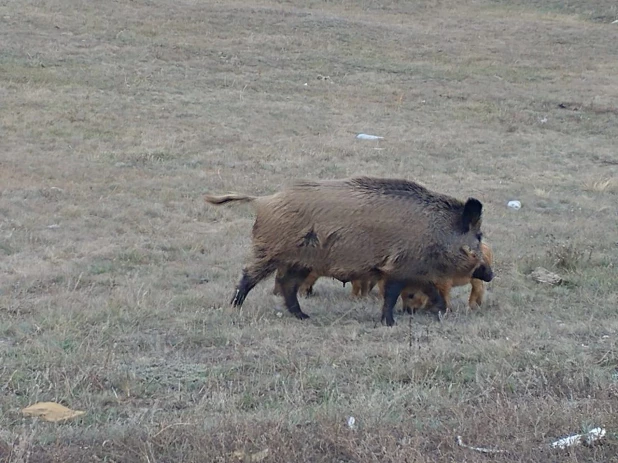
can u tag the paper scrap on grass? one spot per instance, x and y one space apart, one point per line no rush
51 411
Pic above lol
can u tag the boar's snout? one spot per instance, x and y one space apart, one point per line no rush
484 272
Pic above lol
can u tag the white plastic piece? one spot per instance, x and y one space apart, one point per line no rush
351 422
514 205
364 136
588 439
576 439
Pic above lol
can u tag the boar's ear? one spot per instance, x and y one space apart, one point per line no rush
471 214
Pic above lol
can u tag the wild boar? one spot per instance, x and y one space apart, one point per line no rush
361 228
413 300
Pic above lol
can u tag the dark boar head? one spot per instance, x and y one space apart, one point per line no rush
470 258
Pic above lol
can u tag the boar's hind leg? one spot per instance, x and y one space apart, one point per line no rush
251 276
306 288
289 281
392 289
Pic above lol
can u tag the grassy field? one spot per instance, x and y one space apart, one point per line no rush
116 117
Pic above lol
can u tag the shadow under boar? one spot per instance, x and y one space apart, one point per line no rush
360 228
359 287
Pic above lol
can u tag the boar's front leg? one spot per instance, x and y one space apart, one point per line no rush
289 281
251 276
437 301
392 289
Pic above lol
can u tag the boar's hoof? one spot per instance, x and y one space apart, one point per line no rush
388 319
301 315
308 292
239 298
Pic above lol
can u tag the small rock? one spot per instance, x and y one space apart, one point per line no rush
542 275
53 226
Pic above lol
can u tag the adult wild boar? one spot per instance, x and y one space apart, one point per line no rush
361 228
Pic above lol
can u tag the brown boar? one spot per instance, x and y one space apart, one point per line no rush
413 300
361 228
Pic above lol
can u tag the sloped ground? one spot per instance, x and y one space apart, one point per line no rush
116 118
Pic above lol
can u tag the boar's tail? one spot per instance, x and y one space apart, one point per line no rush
227 198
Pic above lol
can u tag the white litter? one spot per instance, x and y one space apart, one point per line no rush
615 22
588 439
351 422
478 449
576 439
364 136
514 205
53 226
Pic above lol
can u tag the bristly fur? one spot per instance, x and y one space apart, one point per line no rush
355 228
405 189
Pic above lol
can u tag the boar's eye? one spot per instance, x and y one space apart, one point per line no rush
479 236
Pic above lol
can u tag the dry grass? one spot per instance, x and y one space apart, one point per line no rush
116 117
604 185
